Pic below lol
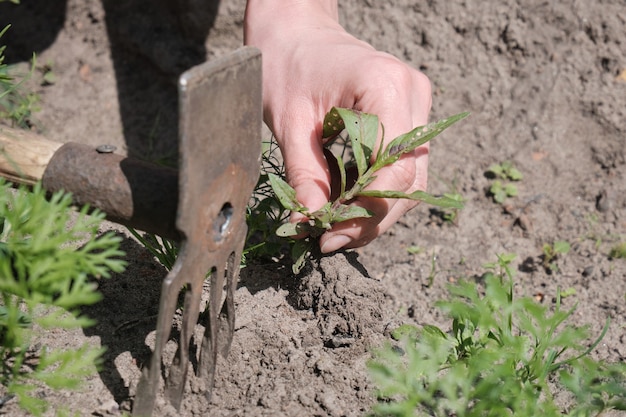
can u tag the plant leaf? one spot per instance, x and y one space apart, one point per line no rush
333 124
285 194
362 129
561 246
440 201
514 174
409 141
288 229
299 253
510 190
347 212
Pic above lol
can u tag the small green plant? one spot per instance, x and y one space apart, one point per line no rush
502 356
618 251
451 215
502 187
265 213
46 261
164 250
362 130
15 105
414 249
551 253
48 77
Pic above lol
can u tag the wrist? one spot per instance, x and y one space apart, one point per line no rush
269 20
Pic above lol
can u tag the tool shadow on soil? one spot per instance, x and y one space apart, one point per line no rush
125 317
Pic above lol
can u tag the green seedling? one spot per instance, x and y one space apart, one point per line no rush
414 249
502 355
451 215
16 106
568 292
47 74
47 258
505 171
551 254
265 213
164 250
501 187
362 130
618 251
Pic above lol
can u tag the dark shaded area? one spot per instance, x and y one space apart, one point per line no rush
35 25
126 297
151 43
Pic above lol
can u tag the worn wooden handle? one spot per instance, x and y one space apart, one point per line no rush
24 155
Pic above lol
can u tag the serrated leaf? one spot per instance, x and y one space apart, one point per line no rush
441 201
285 193
362 129
417 137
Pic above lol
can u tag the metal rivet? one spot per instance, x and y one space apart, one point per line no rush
106 148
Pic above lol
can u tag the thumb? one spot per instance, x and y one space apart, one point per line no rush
306 166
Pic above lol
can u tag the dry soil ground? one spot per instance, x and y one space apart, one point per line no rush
546 86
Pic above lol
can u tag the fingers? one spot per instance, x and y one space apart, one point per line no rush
305 164
331 68
401 97
411 171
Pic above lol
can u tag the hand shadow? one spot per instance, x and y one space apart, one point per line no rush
151 43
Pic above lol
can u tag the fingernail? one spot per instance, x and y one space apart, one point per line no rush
335 242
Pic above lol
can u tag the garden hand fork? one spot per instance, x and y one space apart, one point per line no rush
220 147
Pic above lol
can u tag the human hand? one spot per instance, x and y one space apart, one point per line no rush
310 64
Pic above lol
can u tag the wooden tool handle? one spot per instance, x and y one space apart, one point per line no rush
130 191
24 155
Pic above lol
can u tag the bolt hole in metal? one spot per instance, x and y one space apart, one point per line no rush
222 222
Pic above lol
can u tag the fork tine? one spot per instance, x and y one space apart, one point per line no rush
175 383
149 382
220 324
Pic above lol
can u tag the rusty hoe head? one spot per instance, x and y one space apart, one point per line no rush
220 148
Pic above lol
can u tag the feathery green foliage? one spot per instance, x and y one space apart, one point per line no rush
46 261
503 356
16 106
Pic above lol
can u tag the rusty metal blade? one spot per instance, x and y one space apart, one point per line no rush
220 99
